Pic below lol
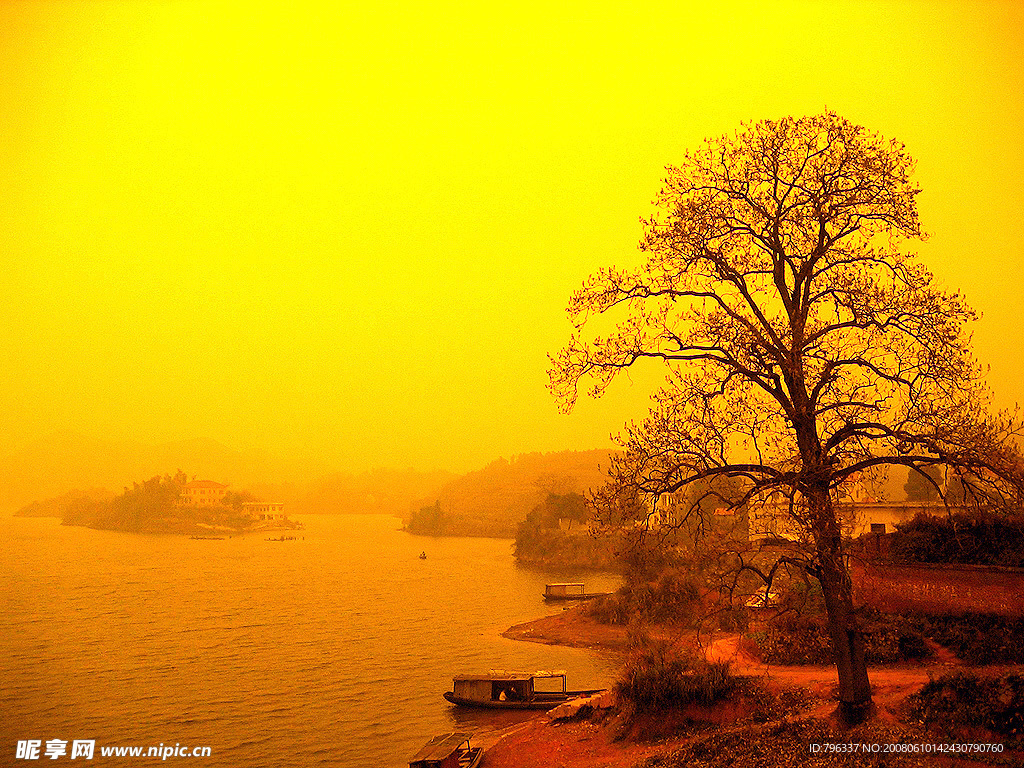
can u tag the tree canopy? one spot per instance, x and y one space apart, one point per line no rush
806 349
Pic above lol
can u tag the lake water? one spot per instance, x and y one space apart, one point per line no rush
330 650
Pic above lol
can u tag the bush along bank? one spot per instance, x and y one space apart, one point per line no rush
796 639
975 639
557 533
670 597
975 539
964 699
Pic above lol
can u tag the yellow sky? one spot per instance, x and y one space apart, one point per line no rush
347 232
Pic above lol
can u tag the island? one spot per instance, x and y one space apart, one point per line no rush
168 504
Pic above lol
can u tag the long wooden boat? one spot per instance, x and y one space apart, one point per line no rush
449 750
512 690
569 591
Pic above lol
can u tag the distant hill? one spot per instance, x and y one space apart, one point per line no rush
379 491
42 477
489 501
58 505
493 501
66 460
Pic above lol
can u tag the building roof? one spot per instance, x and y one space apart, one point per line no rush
439 747
205 484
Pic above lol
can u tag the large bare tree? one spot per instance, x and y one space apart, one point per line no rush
805 348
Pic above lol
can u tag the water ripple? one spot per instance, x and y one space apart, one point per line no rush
334 653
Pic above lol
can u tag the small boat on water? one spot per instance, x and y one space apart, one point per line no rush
208 538
449 750
572 591
423 555
513 690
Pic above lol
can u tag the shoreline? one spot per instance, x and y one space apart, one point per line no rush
541 741
598 740
571 628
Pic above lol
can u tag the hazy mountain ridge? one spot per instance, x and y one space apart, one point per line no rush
377 491
66 460
57 506
44 478
492 501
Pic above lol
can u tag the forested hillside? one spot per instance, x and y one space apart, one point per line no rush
493 501
378 491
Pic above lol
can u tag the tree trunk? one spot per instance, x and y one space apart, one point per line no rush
836 587
847 642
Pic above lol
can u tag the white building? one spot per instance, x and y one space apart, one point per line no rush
265 510
203 493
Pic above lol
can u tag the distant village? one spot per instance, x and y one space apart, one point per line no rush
208 493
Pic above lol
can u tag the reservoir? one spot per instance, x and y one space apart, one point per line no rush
333 649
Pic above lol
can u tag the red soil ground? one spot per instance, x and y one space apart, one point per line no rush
542 743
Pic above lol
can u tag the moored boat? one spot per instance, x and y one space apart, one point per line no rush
513 690
449 750
569 591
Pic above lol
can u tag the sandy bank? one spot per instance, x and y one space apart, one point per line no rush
575 629
572 628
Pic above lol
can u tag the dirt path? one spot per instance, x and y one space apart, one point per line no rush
575 629
890 685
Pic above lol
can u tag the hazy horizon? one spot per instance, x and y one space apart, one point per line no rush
285 468
347 236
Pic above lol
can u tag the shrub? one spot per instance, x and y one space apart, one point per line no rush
733 619
964 699
658 676
795 639
978 638
978 539
671 597
890 638
610 609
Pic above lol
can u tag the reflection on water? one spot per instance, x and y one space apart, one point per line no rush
333 649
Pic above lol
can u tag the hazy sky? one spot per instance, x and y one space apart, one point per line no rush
348 231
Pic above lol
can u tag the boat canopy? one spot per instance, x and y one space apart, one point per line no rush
503 686
563 589
439 749
512 676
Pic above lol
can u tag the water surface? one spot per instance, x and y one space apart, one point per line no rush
330 650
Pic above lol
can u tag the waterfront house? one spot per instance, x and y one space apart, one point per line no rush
203 493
